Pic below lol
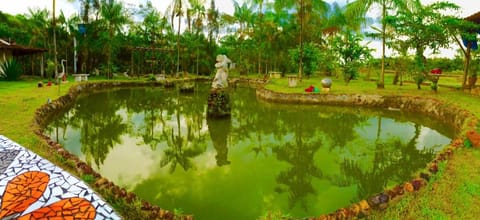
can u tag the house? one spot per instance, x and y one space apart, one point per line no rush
22 54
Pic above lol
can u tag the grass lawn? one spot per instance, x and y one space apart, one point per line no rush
454 193
18 102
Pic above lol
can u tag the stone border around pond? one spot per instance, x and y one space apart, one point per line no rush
47 111
462 120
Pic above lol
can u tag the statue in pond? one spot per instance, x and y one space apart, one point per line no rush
219 100
221 77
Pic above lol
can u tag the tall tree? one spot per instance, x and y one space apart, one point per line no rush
424 28
213 23
467 30
198 12
114 17
304 10
359 8
177 8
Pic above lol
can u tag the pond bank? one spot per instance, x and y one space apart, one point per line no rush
462 120
459 118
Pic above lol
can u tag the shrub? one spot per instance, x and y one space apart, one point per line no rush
311 55
352 54
10 70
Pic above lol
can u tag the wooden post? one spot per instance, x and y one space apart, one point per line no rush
42 68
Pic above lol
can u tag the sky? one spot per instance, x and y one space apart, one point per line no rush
468 7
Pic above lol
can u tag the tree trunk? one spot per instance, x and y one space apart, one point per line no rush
468 57
178 46
54 41
300 71
381 81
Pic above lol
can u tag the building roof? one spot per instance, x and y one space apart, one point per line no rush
19 50
474 18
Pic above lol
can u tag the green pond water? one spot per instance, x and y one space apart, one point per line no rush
302 160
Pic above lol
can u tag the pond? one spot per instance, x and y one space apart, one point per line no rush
300 160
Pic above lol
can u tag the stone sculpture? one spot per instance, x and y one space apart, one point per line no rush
221 77
219 100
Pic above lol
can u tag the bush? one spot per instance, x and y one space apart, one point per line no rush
311 55
10 70
351 53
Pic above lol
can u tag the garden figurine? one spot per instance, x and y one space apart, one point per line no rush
220 81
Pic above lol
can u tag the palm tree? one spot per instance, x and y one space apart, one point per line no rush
260 23
114 17
177 9
359 8
89 9
198 7
304 11
243 15
212 21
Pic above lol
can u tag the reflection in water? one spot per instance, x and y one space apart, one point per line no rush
300 159
219 130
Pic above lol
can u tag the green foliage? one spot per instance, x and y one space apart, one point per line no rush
445 64
423 27
430 213
88 178
351 53
10 70
474 67
274 215
50 70
151 77
311 56
467 143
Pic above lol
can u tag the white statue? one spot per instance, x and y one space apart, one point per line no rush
220 81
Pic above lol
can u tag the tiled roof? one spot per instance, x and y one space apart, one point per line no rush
474 18
19 50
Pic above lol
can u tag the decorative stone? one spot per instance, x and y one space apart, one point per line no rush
474 138
408 187
417 184
218 104
326 84
425 176
433 168
187 87
101 181
292 81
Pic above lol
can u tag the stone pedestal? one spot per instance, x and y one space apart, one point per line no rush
292 81
326 84
218 104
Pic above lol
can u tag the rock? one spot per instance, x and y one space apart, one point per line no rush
101 181
187 87
474 138
425 176
417 184
326 83
408 187
218 104
433 168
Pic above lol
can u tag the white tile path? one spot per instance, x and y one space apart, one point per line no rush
15 160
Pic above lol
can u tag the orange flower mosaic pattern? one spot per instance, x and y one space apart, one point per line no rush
25 189
34 188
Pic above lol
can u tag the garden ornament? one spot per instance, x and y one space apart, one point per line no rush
220 81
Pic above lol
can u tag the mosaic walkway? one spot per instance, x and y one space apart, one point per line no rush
34 188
